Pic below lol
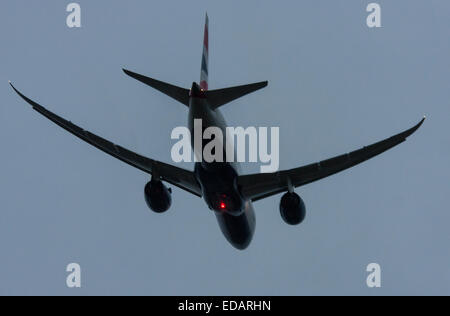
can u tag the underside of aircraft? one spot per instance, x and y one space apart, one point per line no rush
226 192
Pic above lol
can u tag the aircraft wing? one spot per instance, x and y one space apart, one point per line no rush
262 185
179 177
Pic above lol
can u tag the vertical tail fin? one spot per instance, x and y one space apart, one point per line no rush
204 70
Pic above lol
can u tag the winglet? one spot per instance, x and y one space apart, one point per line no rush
28 100
15 90
412 129
420 123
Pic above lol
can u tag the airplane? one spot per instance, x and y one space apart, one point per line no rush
228 193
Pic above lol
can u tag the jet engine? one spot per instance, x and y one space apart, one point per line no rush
292 208
158 196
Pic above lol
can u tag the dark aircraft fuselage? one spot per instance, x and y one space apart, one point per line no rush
218 180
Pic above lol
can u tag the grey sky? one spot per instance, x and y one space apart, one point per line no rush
334 85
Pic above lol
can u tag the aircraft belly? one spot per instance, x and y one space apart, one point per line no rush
238 230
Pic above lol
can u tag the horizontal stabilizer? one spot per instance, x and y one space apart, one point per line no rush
177 93
220 97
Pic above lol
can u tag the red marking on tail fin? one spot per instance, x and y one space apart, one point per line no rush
204 85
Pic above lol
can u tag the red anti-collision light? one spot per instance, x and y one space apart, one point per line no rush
223 205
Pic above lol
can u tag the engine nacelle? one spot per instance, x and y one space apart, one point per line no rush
158 196
292 208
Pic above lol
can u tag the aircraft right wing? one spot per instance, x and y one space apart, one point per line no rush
179 177
262 185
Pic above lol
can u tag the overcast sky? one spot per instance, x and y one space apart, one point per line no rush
334 86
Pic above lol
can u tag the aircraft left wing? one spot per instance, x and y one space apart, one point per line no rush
179 177
258 186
